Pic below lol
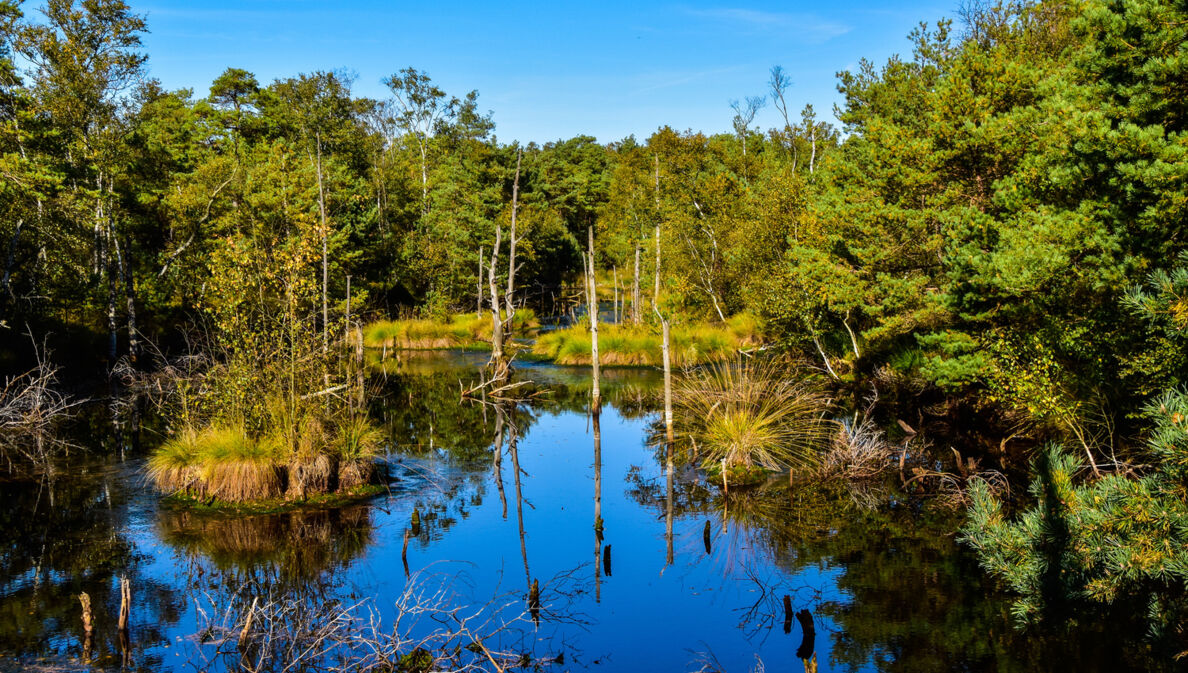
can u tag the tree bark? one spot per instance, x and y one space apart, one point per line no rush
325 236
479 313
511 255
6 282
615 298
592 292
130 301
636 314
656 292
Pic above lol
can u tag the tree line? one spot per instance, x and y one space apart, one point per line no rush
977 220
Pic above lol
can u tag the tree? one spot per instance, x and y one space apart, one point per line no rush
83 60
422 108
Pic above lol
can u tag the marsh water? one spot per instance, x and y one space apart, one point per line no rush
681 578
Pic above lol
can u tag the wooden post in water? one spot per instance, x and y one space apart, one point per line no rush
88 624
788 614
125 602
404 553
534 601
666 351
125 640
808 645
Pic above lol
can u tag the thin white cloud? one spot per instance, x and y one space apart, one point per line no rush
808 27
662 80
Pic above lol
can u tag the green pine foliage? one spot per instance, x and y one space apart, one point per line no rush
1086 547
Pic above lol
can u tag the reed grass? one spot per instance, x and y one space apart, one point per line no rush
463 330
751 413
628 345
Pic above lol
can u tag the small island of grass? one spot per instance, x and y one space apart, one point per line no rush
631 345
462 330
226 464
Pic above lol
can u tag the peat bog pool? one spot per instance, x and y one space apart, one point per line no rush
681 577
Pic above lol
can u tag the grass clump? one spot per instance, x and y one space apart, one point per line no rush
751 414
463 330
225 463
640 345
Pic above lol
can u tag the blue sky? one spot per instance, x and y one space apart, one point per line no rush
546 70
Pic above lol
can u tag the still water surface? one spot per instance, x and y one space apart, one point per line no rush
888 588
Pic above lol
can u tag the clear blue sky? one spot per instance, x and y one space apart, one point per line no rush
546 70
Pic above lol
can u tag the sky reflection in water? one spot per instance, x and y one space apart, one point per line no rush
888 589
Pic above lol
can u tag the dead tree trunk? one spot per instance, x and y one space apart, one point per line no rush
325 246
615 297
592 290
500 325
512 241
666 351
479 312
130 301
656 291
636 314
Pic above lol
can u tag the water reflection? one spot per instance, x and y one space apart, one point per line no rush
881 583
290 547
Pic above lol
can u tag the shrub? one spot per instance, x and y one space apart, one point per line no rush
1120 541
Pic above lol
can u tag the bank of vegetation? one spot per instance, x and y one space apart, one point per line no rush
463 330
627 344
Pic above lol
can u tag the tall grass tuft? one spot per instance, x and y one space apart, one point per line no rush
173 467
357 445
464 330
752 413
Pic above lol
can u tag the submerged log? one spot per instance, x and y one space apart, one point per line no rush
606 560
788 613
705 537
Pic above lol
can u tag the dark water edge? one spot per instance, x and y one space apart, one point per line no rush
889 588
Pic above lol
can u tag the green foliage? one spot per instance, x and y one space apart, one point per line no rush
1117 542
